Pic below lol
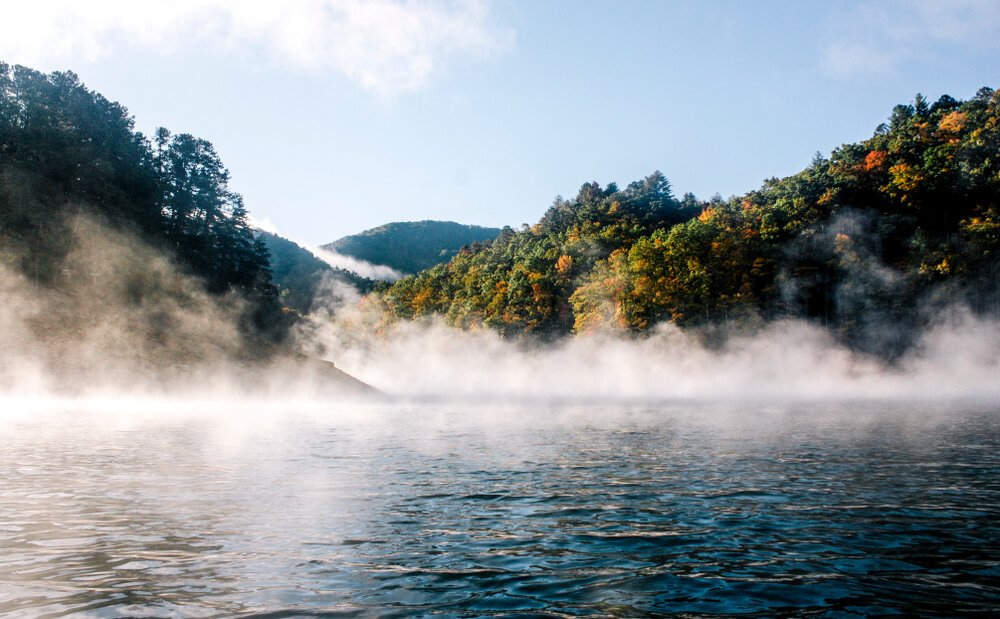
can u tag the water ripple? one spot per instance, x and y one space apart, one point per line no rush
615 513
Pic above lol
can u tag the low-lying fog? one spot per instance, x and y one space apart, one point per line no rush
131 325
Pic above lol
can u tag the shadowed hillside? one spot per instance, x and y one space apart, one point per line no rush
126 260
412 246
299 275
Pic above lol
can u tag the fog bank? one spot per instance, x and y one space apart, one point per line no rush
957 357
122 319
124 322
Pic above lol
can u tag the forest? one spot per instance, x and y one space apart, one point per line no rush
412 246
68 154
867 242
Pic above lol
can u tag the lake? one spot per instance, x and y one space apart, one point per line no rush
445 509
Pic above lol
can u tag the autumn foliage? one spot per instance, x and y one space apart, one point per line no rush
856 240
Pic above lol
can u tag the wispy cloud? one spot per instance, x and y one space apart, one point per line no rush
332 258
877 38
386 46
356 265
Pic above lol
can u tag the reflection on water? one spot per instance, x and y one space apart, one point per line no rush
458 512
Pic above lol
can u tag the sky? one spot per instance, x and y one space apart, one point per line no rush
335 116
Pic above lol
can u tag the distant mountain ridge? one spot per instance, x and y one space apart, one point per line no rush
412 246
298 273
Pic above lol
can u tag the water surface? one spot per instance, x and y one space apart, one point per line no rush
402 510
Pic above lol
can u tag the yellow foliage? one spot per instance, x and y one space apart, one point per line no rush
564 265
983 230
981 225
828 197
953 123
421 301
943 267
905 179
904 176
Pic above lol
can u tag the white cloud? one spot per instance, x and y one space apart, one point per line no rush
387 46
355 265
332 258
846 58
264 224
876 39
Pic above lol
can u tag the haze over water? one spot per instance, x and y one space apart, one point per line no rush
397 509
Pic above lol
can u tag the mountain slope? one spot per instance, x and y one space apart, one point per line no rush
67 152
867 243
127 261
411 247
298 274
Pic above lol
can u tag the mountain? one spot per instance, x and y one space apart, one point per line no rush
67 153
128 258
411 246
869 242
298 274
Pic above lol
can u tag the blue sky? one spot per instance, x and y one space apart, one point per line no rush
334 116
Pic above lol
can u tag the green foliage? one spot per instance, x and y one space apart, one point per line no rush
855 241
522 281
66 151
410 247
299 275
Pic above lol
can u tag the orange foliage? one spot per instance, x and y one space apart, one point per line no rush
421 301
828 197
875 160
953 123
564 265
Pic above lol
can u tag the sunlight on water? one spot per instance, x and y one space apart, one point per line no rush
417 509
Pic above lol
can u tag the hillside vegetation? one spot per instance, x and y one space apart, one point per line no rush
859 241
411 246
74 173
300 276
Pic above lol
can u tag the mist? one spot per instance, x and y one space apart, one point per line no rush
336 260
361 267
957 357
124 320
128 323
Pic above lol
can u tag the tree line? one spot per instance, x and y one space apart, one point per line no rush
67 151
859 241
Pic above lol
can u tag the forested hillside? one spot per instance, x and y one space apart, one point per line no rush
411 246
867 241
68 154
862 241
299 275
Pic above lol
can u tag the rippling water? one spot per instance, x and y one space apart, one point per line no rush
546 511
